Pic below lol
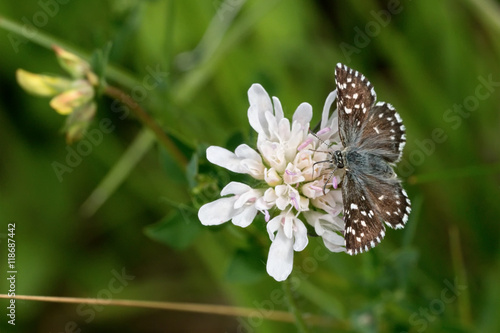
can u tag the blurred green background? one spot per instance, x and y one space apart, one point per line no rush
437 62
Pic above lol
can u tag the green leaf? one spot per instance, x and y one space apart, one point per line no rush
178 229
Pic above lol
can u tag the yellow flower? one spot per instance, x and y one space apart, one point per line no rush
66 102
75 66
72 97
42 85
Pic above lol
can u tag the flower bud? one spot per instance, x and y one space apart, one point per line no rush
66 102
78 121
74 65
42 85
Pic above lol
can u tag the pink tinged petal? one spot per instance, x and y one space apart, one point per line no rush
300 236
292 174
303 114
323 131
246 198
326 109
245 217
266 215
260 103
305 144
217 212
278 110
321 203
335 182
280 260
310 190
294 202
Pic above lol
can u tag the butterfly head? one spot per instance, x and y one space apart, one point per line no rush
337 159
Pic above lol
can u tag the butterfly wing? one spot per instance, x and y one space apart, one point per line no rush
368 203
374 137
389 200
383 133
363 228
355 98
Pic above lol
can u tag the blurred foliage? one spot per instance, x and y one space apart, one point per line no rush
437 62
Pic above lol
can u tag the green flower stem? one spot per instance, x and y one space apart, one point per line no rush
141 144
144 117
292 306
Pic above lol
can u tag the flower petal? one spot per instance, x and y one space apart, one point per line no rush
224 158
235 188
271 177
42 85
334 242
280 260
217 212
247 198
300 236
260 103
278 110
245 151
288 225
246 217
73 64
329 202
69 100
303 114
325 116
273 225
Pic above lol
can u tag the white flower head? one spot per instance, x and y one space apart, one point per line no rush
292 185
